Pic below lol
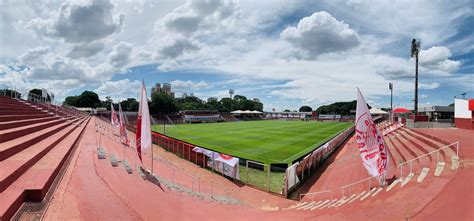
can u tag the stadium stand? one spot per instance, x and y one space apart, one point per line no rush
200 116
415 158
35 141
228 117
176 119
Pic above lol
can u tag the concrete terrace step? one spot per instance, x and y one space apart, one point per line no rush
407 179
19 123
393 184
436 143
406 154
426 148
35 182
15 165
423 174
14 146
10 134
21 112
439 168
394 151
422 162
412 152
357 197
44 172
10 106
12 117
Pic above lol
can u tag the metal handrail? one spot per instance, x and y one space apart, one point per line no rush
315 193
427 154
196 181
51 106
357 182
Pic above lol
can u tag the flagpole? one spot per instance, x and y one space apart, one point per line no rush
152 159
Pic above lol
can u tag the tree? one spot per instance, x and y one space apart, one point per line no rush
305 109
226 105
71 100
342 108
107 102
86 99
286 110
131 104
212 103
162 104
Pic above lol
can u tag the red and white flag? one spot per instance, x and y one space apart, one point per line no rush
123 130
113 116
143 134
371 145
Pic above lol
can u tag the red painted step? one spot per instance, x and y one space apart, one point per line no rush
423 161
13 117
14 146
19 123
10 134
15 165
425 148
35 182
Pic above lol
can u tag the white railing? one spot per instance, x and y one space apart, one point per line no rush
437 151
315 193
49 106
368 179
175 177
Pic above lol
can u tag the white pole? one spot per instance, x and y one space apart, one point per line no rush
152 158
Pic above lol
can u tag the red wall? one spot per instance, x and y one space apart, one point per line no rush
471 105
464 123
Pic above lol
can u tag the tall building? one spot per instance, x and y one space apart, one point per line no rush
165 89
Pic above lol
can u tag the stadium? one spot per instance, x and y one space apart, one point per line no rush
88 132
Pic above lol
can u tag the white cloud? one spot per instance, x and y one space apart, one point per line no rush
436 59
84 22
120 55
174 47
118 90
432 21
429 86
189 85
34 56
190 27
320 33
85 50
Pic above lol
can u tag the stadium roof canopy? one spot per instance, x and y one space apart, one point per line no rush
401 110
377 111
245 112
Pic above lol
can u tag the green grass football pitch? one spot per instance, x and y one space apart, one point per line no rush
269 141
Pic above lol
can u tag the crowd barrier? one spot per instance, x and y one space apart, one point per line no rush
303 169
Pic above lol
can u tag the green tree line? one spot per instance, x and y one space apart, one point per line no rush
163 104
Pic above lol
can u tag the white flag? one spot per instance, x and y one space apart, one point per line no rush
113 116
371 144
123 130
143 134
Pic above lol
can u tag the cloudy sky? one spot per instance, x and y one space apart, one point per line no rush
287 53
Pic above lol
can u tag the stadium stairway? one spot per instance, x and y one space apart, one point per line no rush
34 144
404 144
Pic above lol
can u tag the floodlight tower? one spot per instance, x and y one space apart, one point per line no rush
390 86
231 92
415 49
464 95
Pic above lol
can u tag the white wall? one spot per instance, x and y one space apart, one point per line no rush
461 109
